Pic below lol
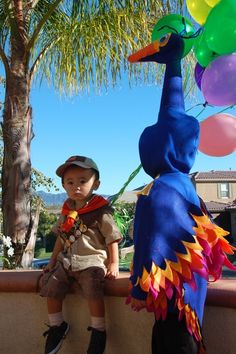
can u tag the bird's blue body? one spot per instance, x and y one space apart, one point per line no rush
171 263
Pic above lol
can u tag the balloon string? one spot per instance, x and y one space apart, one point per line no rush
196 105
225 109
203 109
189 90
205 104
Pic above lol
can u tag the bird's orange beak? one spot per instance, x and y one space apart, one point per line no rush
151 49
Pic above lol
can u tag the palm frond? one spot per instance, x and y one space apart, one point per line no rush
94 39
79 44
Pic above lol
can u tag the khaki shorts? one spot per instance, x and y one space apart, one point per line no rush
56 283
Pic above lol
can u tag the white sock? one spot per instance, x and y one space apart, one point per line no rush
55 319
98 323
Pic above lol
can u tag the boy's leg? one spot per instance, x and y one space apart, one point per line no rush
55 316
58 328
98 333
97 314
55 285
92 284
54 305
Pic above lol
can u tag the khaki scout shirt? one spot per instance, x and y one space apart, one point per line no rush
90 248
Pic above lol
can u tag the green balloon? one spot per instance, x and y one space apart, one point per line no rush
220 27
203 53
175 23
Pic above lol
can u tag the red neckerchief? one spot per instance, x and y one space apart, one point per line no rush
95 203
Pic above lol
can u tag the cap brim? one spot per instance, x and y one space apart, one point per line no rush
61 169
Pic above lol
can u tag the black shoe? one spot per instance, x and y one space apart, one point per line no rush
97 341
55 336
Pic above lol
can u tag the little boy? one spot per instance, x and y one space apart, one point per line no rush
86 251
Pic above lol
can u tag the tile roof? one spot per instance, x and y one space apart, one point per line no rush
229 175
216 206
215 175
232 205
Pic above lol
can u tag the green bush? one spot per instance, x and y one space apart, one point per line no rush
124 215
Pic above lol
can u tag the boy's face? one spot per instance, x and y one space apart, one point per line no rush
79 183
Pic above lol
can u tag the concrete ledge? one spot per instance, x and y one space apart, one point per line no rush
19 280
24 312
220 293
29 280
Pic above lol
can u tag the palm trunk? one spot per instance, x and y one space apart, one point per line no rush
16 178
17 136
28 255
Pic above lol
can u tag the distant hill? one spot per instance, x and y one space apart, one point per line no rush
52 199
55 199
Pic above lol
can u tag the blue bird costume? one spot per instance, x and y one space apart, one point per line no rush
177 244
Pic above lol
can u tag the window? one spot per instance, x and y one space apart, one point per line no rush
224 190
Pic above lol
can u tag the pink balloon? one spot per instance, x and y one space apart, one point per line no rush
218 135
218 83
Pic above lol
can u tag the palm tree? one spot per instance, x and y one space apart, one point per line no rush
74 44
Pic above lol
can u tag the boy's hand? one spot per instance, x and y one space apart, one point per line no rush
112 270
49 266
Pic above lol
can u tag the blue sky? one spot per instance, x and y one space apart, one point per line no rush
105 127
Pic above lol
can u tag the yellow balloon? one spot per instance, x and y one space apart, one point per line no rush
199 10
212 3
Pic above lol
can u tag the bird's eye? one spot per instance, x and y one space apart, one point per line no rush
164 39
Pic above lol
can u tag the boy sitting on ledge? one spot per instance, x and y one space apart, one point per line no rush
86 251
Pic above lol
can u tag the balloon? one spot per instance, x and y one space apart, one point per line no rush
198 72
202 52
212 3
220 27
218 135
218 83
177 24
199 10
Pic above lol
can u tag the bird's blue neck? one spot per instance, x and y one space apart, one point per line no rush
172 93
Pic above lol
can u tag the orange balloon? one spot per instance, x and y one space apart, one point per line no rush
218 135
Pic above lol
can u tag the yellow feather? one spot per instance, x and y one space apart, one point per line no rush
176 266
145 275
158 275
187 256
168 272
195 246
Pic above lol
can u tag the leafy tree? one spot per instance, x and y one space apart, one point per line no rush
75 45
47 239
46 221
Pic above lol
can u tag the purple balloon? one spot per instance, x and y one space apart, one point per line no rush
198 72
219 81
